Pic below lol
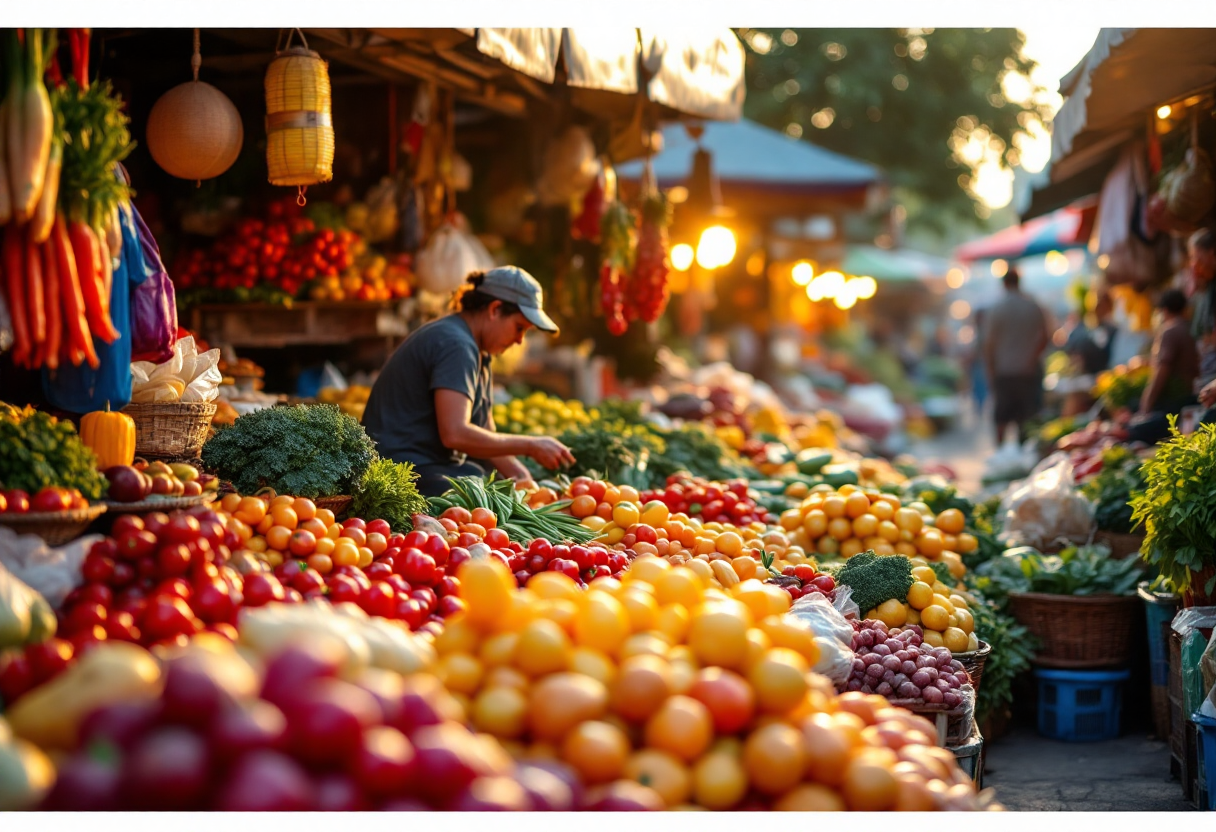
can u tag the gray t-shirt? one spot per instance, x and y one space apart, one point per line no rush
400 413
1013 327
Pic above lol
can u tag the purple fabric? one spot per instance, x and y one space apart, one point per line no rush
153 304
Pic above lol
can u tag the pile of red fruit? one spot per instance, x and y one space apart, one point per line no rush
897 664
301 739
51 498
712 502
802 580
582 564
285 251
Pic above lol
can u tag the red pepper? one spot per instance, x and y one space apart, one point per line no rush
54 313
80 342
14 274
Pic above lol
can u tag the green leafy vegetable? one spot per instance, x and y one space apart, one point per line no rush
1077 570
39 451
511 509
305 450
388 492
95 139
1112 489
876 578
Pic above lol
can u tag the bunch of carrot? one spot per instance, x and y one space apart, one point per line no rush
58 244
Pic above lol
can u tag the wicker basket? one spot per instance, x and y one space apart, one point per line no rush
170 429
1120 545
1078 632
161 504
973 662
55 527
336 504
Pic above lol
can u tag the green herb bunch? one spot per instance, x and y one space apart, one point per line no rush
1077 570
1112 489
1177 507
511 510
613 450
39 451
306 450
389 492
95 138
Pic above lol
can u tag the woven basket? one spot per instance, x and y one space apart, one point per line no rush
973 662
170 429
55 527
1078 632
337 504
164 504
1120 545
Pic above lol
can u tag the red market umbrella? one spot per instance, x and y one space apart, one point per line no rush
1065 228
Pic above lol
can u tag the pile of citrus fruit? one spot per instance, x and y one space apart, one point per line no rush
702 695
539 414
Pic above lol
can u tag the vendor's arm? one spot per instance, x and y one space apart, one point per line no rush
1164 355
454 411
510 466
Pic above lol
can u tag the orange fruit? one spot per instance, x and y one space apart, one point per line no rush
501 711
641 686
596 750
483 517
967 543
278 537
868 785
719 780
543 648
892 613
325 516
840 528
673 623
810 797
682 727
744 566
460 672
920 595
662 772
935 617
486 586
557 703
826 747
779 680
789 632
304 508
640 607
909 520
773 758
678 586
718 634
284 515
728 697
930 544
833 506
856 504
601 623
955 640
593 663
865 526
882 509
951 521
345 553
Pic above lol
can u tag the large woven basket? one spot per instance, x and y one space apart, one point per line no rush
1120 545
170 429
55 527
336 504
973 662
1078 632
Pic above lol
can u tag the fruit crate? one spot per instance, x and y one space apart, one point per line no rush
954 725
970 756
1159 611
1080 706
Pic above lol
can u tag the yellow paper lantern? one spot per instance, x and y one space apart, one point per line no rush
194 130
299 119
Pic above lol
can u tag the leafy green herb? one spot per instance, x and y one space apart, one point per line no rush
1077 570
511 509
39 451
305 450
388 492
95 139
1112 489
1178 505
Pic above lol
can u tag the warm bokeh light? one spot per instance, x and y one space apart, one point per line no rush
955 278
1163 112
1056 263
846 298
999 268
755 264
803 273
830 284
960 310
681 257
864 287
966 334
716 247
1103 261
677 194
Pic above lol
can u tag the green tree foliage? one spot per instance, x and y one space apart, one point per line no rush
898 98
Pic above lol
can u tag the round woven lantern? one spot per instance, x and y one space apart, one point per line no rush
194 130
299 120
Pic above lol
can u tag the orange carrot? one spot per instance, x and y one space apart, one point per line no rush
34 290
91 275
54 310
76 325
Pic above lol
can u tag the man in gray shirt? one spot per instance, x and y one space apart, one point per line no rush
431 404
1014 339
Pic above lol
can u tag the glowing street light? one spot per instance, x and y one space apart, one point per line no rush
681 257
830 284
803 273
716 248
864 287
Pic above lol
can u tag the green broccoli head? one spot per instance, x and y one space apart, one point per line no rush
875 579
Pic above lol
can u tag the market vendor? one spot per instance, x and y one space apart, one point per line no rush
1175 366
431 404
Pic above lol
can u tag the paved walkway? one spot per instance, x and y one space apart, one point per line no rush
1131 774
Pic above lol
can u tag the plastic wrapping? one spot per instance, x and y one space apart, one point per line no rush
1046 507
818 613
53 573
845 605
153 303
1193 618
449 257
187 376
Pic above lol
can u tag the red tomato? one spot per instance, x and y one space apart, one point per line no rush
302 543
17 501
497 539
166 616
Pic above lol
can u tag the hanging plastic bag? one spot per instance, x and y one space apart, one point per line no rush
569 167
153 303
1046 507
449 257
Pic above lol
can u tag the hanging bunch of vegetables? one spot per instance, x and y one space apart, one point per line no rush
648 285
60 207
618 248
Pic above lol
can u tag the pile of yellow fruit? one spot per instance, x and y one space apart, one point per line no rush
702 695
539 414
943 613
351 401
844 522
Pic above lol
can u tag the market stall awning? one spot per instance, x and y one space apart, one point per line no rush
747 153
1126 74
900 265
695 71
1062 229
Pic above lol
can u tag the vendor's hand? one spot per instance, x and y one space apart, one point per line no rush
550 453
524 482
1207 396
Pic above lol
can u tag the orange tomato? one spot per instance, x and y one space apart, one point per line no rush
457 515
304 508
359 536
834 506
284 515
779 680
322 563
812 797
501 710
856 504
583 506
727 696
484 517
682 727
840 528
717 634
325 516
882 509
594 664
773 757
601 623
640 687
486 587
868 785
826 747
597 750
377 543
278 537
318 529
560 701
543 647
230 502
909 520
951 521
744 566
719 780
866 525
302 543
662 772
345 553
930 544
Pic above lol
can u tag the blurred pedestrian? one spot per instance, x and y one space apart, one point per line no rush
1014 340
975 362
1174 368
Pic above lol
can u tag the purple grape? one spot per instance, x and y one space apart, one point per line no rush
902 655
888 676
956 665
871 659
921 679
880 626
908 667
933 696
942 684
867 689
884 689
858 664
963 678
909 691
875 671
933 674
853 685
926 662
866 638
892 663
899 679
882 649
952 699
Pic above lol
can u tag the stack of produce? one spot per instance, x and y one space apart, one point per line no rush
897 664
45 457
711 502
151 480
540 414
352 401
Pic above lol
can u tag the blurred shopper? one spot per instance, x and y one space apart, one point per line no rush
1175 366
975 364
1015 337
1201 251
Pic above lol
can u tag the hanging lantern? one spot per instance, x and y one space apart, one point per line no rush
194 130
299 121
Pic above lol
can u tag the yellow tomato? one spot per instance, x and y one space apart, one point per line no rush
717 634
601 623
920 595
625 514
543 648
935 617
